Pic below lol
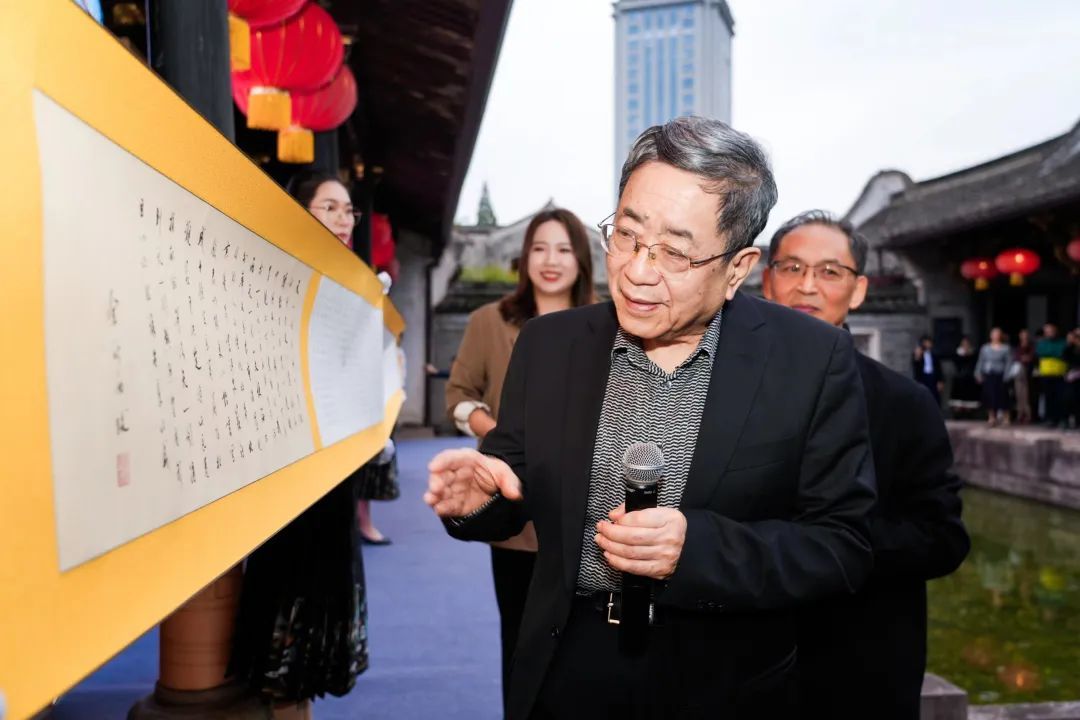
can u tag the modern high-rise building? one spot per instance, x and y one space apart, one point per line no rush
672 58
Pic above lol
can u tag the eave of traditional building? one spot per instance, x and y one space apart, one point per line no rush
1028 181
424 69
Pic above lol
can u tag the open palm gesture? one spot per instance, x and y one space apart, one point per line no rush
460 481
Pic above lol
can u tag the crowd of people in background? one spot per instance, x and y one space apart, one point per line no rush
1035 380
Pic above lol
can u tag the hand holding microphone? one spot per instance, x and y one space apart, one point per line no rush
643 539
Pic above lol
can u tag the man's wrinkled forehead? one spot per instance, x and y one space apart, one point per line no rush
642 218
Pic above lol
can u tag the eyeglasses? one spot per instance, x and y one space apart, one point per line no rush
828 272
619 241
332 208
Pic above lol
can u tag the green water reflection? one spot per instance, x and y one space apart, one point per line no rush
1006 626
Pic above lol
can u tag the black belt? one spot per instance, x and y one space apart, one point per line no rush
609 604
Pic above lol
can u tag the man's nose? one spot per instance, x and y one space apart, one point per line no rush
808 284
639 268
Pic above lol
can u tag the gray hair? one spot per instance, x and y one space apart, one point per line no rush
856 242
732 164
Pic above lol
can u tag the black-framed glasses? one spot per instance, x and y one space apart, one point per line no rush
619 241
332 208
830 272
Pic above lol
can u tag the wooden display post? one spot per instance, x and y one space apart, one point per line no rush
195 642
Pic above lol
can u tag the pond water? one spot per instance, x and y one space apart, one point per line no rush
1006 625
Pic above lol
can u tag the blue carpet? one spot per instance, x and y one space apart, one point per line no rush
432 622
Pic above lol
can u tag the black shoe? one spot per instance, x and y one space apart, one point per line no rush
373 541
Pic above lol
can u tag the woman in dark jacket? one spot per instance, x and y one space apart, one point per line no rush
965 390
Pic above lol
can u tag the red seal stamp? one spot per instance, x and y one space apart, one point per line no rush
123 469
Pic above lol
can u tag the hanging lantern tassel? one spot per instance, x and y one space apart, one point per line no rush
982 283
1016 279
269 108
239 43
296 145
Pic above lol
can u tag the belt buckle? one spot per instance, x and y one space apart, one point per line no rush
610 607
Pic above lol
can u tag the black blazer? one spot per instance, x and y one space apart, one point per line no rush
919 374
776 501
864 656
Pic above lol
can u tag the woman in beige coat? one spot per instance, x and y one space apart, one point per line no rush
555 273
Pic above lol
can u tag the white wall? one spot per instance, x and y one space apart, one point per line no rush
409 295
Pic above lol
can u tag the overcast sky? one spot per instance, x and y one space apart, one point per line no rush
835 89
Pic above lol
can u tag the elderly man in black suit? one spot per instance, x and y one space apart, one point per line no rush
864 656
760 416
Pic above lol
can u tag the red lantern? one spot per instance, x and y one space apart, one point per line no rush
382 243
260 13
247 14
1017 263
301 54
329 106
241 87
325 109
1073 249
979 269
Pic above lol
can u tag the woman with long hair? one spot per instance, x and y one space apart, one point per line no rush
328 199
302 626
554 273
964 397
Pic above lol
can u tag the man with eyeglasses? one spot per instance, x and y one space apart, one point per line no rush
768 480
864 656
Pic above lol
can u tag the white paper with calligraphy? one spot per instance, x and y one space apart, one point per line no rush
393 365
345 352
172 339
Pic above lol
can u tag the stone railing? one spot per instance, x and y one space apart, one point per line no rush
941 700
1027 462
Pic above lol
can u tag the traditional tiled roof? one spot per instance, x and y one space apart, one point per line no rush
425 68
1031 180
474 246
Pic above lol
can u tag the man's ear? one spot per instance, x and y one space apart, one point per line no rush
739 268
859 296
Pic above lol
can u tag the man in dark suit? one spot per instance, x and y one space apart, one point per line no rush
926 368
768 480
864 656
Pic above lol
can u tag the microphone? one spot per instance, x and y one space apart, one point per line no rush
643 469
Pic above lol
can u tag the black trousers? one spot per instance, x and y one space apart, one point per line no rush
1054 399
995 396
512 571
930 383
686 673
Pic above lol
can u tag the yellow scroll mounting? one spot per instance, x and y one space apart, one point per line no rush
191 359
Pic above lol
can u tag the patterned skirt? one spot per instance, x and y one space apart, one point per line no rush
378 479
302 625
